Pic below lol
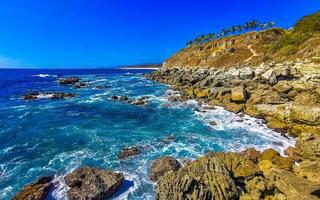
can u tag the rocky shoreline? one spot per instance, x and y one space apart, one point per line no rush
283 94
287 96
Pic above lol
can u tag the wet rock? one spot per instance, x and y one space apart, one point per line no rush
89 183
139 102
80 85
31 96
205 178
61 95
119 98
69 81
162 165
128 152
47 95
36 191
169 139
213 123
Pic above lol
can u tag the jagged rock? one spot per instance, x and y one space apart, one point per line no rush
69 81
251 154
162 165
238 94
246 73
258 186
292 153
89 183
128 152
294 187
282 87
310 170
238 166
268 154
270 76
36 191
204 178
306 136
276 160
139 102
309 149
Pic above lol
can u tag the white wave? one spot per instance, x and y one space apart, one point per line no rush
60 191
42 75
4 192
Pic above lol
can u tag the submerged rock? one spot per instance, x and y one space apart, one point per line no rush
162 165
36 191
89 183
128 152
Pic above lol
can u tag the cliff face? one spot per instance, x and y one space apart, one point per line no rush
301 42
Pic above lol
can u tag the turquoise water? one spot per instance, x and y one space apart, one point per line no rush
46 137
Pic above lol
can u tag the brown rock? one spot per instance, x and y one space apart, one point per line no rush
89 183
69 81
251 154
35 191
128 152
162 165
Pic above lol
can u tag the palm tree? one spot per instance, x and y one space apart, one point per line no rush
246 26
254 24
224 32
271 24
233 29
262 26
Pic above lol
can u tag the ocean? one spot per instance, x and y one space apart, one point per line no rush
53 137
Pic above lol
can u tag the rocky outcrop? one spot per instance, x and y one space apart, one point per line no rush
282 93
232 176
128 152
162 165
205 178
89 183
137 102
69 81
36 191
47 95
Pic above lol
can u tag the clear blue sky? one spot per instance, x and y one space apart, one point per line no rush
102 33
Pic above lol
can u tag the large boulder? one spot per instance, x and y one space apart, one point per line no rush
276 160
271 76
238 94
246 73
294 187
205 178
36 191
89 183
251 154
309 149
162 165
310 170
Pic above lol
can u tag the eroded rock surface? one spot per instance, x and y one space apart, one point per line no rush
89 183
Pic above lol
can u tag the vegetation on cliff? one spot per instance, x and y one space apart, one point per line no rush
235 29
252 48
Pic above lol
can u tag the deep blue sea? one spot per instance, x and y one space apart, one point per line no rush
45 137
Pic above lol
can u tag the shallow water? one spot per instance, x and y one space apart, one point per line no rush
46 137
